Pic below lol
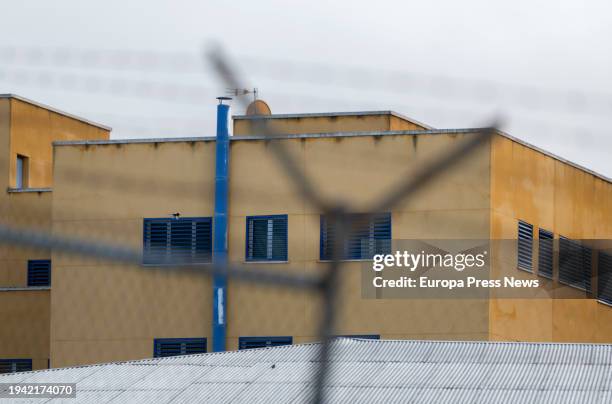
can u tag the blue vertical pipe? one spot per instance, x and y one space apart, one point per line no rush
220 226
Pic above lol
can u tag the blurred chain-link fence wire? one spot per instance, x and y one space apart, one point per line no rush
324 284
176 77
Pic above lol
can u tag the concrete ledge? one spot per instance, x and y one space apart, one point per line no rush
25 289
27 190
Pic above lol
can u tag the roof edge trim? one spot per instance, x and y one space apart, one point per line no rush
57 111
335 135
331 114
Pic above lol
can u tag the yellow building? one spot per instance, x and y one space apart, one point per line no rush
128 192
27 130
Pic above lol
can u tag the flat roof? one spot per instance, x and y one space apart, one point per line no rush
57 111
332 135
361 371
330 114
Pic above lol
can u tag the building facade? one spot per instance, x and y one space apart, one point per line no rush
158 196
27 130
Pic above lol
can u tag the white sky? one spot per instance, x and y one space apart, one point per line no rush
543 66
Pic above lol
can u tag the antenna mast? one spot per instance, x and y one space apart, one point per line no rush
237 92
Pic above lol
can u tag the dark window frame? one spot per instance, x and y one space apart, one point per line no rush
249 248
159 342
22 174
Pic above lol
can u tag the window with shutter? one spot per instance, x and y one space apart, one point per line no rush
574 264
177 241
39 273
545 253
604 277
525 246
263 342
15 365
368 235
163 347
359 336
266 238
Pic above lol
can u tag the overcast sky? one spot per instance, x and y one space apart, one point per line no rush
542 66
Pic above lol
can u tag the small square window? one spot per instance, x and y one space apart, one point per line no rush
266 238
39 273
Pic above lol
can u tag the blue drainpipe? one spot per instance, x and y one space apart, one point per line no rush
220 226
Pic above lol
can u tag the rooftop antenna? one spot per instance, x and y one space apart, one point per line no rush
237 92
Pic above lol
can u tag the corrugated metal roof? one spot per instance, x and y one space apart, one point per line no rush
362 371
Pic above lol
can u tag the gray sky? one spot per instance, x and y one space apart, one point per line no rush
543 66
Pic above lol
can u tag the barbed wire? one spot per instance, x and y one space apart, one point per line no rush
546 126
575 101
119 254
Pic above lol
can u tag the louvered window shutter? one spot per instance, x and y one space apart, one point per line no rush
525 246
177 241
267 238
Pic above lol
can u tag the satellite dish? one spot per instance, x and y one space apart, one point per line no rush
258 107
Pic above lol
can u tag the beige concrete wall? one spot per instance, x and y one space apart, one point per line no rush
326 124
33 129
30 211
553 195
124 308
24 333
357 170
29 130
103 311
5 132
24 315
398 123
